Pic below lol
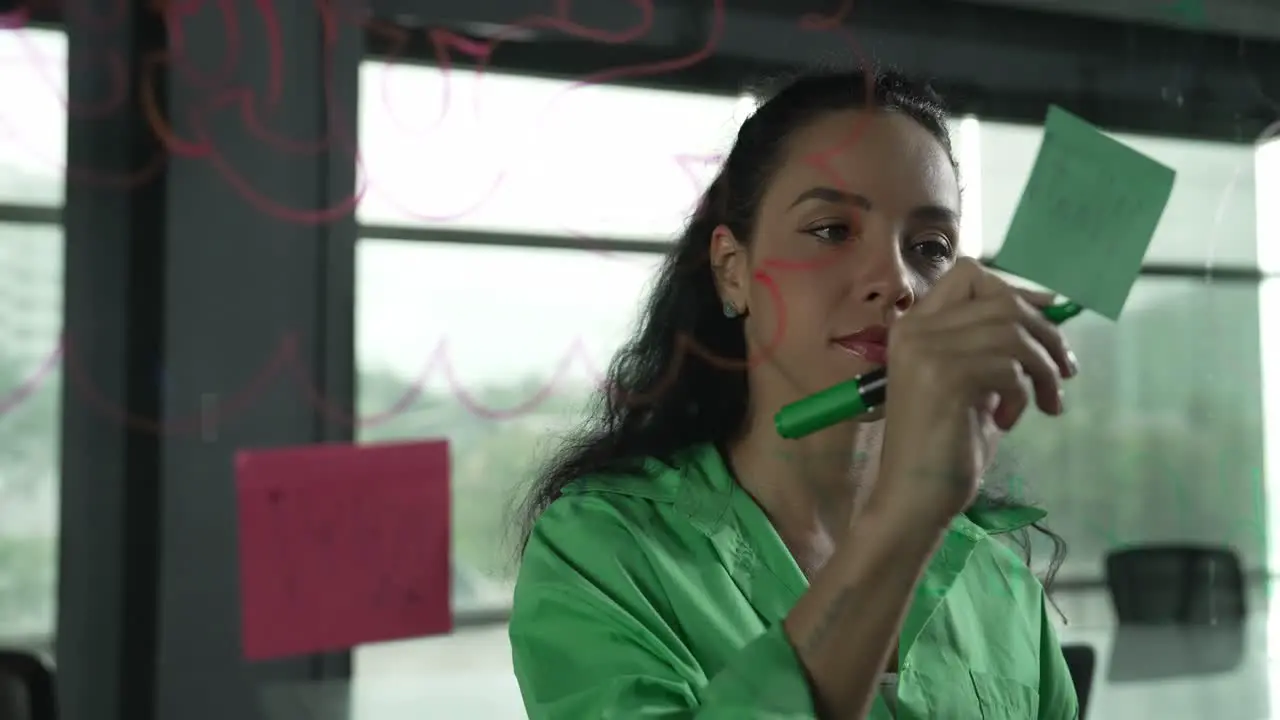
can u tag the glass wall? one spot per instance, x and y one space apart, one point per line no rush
1172 433
32 153
1163 438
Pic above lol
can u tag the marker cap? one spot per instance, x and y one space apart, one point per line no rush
1062 312
833 405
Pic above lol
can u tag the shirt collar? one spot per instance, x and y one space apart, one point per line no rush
992 516
998 518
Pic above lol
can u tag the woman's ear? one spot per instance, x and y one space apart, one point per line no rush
731 269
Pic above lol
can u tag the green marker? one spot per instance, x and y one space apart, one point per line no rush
1062 312
858 396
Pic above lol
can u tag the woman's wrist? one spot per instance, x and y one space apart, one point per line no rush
906 505
890 520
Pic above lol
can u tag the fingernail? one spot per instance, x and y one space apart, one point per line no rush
1072 364
1062 406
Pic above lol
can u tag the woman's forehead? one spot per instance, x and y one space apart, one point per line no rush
870 152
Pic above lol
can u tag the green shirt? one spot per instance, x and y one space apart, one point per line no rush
663 597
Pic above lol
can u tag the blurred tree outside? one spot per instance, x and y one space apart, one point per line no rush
29 431
28 473
1162 439
492 459
1184 464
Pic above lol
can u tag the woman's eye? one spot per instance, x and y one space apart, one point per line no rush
934 246
832 233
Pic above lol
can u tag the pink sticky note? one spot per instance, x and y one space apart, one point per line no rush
14 19
342 545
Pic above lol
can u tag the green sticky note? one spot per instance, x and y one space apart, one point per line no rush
1087 215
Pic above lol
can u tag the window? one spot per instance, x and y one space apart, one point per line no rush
1210 220
32 155
30 386
33 143
537 156
496 349
1162 439
1267 170
467 674
532 155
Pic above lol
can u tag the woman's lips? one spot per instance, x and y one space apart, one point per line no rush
870 344
873 352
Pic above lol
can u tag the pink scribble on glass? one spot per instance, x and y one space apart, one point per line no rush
252 105
14 19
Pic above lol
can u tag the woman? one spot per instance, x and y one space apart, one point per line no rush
680 559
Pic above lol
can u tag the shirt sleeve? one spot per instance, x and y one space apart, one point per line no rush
1058 699
588 641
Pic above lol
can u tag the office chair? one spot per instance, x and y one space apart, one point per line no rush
1081 661
1176 585
1181 612
27 690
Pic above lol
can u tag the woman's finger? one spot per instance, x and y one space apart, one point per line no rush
1000 377
1004 343
1009 309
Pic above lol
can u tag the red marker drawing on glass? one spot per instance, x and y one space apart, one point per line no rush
282 360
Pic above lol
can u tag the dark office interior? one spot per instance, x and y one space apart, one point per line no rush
228 226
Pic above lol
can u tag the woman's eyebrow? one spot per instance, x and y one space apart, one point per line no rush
926 213
830 194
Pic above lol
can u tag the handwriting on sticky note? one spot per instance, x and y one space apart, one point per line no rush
1087 215
342 545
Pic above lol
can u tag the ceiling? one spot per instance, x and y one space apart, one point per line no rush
1190 68
1246 18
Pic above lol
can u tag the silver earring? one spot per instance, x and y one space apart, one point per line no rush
730 310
